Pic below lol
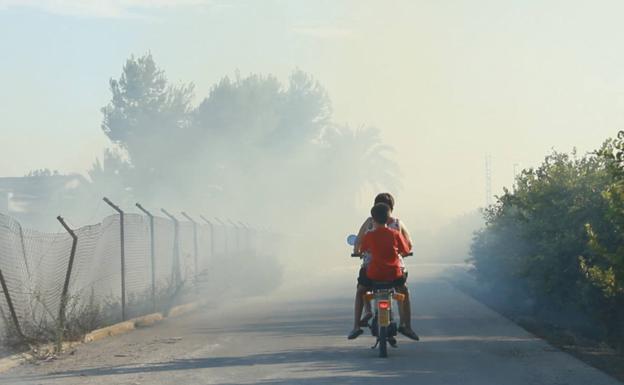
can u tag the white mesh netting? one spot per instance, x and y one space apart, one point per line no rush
34 265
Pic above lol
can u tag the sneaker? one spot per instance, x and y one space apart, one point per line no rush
409 333
355 334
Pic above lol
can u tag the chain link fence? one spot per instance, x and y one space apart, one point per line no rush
61 285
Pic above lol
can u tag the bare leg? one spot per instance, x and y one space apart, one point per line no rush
405 309
368 307
359 304
401 312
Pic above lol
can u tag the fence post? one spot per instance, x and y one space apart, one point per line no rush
70 265
177 275
123 256
7 296
152 253
246 246
225 232
236 235
195 248
21 233
212 243
252 239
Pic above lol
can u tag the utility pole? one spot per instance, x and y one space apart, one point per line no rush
488 180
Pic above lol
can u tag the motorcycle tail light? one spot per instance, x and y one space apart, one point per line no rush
384 305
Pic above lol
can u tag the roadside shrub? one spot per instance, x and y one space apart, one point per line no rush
556 240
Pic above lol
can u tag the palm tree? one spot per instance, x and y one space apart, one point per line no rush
359 164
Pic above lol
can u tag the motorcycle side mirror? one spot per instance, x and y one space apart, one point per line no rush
351 239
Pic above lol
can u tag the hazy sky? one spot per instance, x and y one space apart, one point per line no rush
445 81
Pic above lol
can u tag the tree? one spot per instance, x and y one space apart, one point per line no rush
556 240
253 145
43 172
604 266
360 161
277 135
148 118
112 176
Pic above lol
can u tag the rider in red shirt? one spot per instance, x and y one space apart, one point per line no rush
384 245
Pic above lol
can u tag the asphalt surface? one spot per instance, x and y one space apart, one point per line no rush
297 335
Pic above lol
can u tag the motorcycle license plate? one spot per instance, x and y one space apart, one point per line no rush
384 317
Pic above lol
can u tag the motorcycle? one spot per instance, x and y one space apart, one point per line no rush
382 325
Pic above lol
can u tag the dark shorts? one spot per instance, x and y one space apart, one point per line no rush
363 280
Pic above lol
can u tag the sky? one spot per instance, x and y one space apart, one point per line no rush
446 81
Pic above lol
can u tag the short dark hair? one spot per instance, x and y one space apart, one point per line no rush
386 198
380 213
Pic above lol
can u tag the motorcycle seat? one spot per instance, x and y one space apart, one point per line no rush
379 285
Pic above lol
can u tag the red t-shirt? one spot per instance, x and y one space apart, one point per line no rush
384 245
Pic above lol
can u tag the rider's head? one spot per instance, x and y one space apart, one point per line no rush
380 213
386 198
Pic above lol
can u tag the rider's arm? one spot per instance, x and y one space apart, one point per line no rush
359 245
406 234
363 244
403 246
366 225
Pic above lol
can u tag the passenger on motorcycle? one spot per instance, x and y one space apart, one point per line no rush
367 226
370 226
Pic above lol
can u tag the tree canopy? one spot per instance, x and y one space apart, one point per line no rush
557 239
265 145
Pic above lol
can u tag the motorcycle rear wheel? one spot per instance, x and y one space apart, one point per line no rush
383 342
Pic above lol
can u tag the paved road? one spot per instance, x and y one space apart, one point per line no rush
297 336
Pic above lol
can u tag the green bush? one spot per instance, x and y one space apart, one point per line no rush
557 241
